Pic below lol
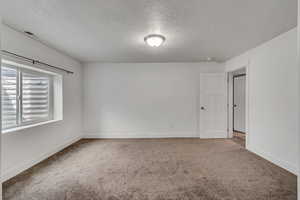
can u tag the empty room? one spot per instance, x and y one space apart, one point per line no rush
149 100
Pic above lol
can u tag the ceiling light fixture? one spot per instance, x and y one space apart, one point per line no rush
154 40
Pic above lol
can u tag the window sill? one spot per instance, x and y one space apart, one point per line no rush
29 126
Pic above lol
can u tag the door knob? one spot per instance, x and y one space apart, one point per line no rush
234 105
202 108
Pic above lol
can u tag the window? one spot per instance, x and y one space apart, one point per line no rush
27 95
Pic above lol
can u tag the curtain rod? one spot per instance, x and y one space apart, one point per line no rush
36 61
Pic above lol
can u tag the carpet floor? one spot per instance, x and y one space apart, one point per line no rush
154 169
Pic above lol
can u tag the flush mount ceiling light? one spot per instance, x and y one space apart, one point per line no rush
154 40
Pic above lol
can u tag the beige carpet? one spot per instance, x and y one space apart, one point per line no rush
157 169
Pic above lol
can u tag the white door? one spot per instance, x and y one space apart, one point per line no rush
213 105
239 103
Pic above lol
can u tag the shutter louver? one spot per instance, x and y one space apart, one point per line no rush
27 95
9 97
35 97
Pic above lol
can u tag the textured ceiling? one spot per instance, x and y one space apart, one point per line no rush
113 30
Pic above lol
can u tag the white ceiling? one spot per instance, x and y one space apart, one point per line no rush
113 30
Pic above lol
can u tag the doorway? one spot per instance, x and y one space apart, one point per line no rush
237 105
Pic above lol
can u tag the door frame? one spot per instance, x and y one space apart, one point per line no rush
233 78
230 102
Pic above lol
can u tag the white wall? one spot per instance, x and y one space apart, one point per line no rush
143 100
273 99
23 148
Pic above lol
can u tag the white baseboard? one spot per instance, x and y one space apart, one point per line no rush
141 135
281 163
16 170
214 135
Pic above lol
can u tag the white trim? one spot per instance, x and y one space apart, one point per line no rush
139 134
247 118
229 104
6 175
281 163
19 128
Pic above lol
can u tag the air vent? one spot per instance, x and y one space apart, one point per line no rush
29 33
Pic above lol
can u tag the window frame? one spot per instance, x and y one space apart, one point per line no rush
29 69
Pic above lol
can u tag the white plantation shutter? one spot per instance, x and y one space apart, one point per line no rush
26 96
35 97
9 97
